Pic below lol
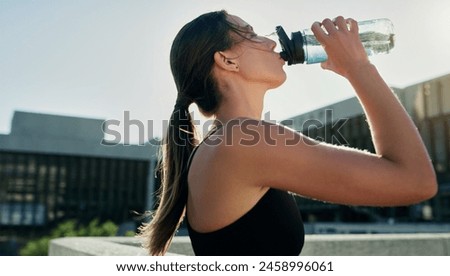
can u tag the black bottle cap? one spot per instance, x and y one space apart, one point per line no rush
292 48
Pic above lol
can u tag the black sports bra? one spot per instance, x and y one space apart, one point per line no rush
273 227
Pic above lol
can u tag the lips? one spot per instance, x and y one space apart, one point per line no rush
281 59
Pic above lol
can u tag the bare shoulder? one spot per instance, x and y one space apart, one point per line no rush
270 155
257 134
247 146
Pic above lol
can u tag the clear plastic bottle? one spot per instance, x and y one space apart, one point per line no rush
377 36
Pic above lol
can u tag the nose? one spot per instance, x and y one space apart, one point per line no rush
271 44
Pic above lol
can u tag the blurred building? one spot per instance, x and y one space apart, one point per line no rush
54 168
428 103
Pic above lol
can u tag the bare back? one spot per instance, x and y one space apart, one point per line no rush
218 195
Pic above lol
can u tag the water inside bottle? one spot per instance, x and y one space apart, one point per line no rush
314 52
377 43
373 42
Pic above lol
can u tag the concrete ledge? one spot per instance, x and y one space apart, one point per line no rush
315 245
181 245
111 246
96 246
377 245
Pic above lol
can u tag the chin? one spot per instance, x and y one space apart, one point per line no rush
279 81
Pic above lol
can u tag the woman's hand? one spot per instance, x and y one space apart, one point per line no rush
340 39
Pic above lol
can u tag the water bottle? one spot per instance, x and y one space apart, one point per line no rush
377 36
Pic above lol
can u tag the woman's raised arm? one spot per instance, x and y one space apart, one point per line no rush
399 173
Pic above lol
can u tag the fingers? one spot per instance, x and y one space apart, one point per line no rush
348 24
341 42
323 30
353 25
328 26
341 23
320 34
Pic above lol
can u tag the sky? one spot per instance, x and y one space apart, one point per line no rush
105 58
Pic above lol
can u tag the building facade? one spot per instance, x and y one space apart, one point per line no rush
428 104
54 168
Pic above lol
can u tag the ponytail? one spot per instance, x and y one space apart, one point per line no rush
191 62
177 147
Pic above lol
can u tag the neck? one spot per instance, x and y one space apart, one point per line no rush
242 102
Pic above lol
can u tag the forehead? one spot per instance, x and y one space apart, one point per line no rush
236 20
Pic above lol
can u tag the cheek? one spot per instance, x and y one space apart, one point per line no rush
264 70
257 67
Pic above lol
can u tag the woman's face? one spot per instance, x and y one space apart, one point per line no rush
255 56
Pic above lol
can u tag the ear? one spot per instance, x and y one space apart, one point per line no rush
225 63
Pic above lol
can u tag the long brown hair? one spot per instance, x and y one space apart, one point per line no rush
191 60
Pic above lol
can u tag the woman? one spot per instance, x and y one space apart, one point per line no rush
234 189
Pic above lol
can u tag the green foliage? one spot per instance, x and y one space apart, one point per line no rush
69 228
130 233
38 247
